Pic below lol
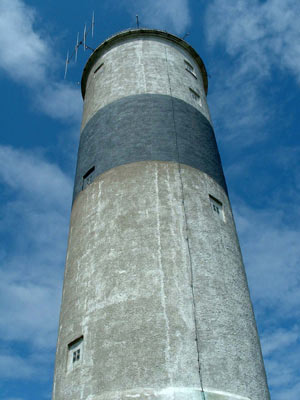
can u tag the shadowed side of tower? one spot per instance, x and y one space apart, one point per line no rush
155 300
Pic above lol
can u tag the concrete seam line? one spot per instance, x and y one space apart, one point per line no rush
186 228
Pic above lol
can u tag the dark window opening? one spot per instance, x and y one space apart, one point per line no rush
76 355
192 73
195 95
88 177
217 207
91 170
97 69
75 342
188 66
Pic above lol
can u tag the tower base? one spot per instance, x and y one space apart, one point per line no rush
168 393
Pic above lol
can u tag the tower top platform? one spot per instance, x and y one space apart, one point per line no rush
140 33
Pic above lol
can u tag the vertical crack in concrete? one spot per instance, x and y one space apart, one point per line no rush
162 279
186 228
142 84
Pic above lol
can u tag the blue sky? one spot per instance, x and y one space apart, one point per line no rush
252 53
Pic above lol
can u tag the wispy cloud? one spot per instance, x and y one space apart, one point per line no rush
15 367
270 245
33 229
30 174
280 340
24 57
60 100
263 34
12 398
257 37
259 40
23 53
271 249
278 345
173 15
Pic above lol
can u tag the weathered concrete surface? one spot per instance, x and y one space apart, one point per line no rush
147 127
142 65
169 393
228 339
128 290
154 279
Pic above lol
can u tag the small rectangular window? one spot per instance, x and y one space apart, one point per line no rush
88 177
196 96
189 68
75 349
98 68
76 355
217 207
192 73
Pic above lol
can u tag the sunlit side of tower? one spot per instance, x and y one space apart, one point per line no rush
155 300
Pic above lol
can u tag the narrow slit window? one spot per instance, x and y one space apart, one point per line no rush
217 207
76 355
189 68
195 96
75 349
88 177
98 68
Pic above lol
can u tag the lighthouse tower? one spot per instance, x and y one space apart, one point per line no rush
155 300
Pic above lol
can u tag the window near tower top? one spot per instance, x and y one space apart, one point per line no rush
217 207
88 177
74 353
98 68
189 68
196 96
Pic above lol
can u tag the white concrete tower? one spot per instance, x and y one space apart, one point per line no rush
155 300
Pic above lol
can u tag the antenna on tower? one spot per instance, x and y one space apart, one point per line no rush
67 63
76 47
93 23
187 34
84 38
137 22
79 43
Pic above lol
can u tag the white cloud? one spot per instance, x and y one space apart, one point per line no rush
23 52
15 367
279 340
33 229
272 254
13 398
29 366
239 111
29 311
281 349
270 244
62 101
173 15
258 37
25 55
33 176
263 34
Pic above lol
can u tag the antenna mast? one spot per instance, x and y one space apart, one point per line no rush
79 43
67 63
93 23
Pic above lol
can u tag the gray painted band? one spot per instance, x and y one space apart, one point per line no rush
141 128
